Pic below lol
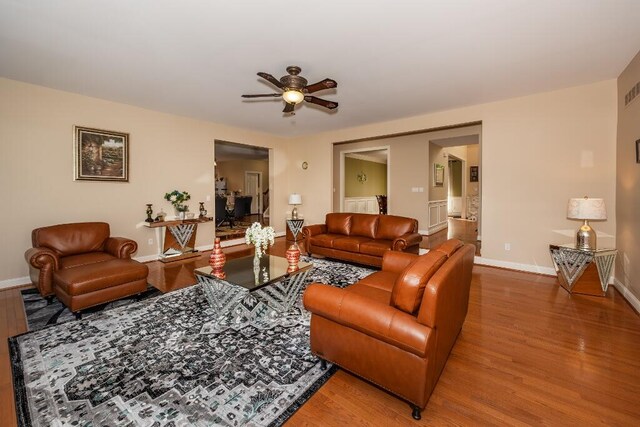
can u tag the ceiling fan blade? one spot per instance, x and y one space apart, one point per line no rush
324 84
262 96
322 102
271 79
288 108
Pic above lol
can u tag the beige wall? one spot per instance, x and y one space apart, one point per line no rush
233 171
537 152
627 210
167 152
437 156
375 184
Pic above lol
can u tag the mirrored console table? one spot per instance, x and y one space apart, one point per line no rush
583 271
179 238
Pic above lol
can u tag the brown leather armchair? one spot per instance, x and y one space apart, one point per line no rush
83 266
396 327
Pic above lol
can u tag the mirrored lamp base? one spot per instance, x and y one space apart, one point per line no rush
586 237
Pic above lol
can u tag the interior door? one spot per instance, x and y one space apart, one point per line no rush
253 188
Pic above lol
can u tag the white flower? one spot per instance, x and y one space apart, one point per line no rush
173 198
260 237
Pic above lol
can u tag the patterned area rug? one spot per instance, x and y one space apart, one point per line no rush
153 363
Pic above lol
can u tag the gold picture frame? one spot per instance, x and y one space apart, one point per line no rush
438 175
100 155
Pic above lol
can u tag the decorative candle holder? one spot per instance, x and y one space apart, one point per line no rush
293 256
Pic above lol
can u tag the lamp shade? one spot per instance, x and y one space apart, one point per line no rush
293 96
295 199
586 208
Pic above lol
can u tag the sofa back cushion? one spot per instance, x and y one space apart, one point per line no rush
364 225
391 227
72 239
409 287
338 223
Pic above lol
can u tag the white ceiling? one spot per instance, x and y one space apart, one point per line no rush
391 59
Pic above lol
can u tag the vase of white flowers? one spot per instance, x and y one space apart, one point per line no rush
260 237
177 199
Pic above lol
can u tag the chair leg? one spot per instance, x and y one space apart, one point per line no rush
50 299
416 412
78 315
323 364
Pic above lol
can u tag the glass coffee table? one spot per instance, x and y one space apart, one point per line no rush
252 292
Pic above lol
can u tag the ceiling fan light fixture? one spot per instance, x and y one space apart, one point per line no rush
293 96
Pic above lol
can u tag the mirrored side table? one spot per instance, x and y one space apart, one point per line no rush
583 271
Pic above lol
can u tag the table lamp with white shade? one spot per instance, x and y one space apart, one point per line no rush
586 209
295 199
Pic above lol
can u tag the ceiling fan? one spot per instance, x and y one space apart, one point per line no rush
295 90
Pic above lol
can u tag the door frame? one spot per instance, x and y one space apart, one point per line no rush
360 150
463 195
259 175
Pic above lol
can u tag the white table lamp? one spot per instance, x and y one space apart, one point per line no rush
295 199
586 209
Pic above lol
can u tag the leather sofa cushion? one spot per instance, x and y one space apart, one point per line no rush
364 225
101 275
325 240
383 280
349 244
375 247
409 287
391 227
84 259
71 239
372 293
338 223
449 247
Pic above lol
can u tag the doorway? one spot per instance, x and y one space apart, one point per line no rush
457 188
364 175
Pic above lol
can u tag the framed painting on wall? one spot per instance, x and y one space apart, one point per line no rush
438 175
101 155
473 174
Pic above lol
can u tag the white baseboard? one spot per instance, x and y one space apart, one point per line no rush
626 293
515 266
12 283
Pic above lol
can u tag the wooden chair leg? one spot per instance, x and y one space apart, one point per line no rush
323 364
78 315
50 299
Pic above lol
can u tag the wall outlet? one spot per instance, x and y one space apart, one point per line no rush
150 241
507 246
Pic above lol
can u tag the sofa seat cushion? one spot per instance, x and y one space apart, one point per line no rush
376 294
383 280
100 275
350 244
84 259
376 247
325 240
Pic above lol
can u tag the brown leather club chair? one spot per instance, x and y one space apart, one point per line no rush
83 266
396 327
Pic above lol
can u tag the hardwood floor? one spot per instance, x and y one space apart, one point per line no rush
529 354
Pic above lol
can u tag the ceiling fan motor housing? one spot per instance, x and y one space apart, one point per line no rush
293 80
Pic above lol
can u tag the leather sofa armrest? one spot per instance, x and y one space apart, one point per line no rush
396 262
120 247
42 263
313 230
41 258
369 317
405 241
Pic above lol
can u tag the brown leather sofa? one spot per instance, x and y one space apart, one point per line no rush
396 327
361 238
83 266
